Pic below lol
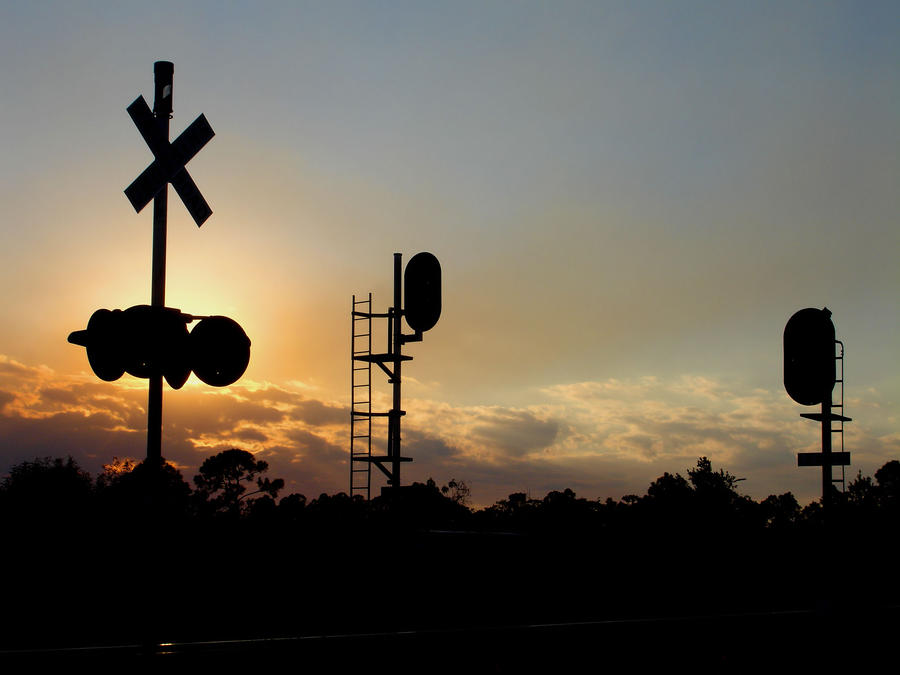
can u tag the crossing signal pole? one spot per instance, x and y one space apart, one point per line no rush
152 341
163 74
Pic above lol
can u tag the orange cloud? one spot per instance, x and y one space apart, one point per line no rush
602 438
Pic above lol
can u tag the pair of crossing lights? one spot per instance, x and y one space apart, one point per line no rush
144 341
153 341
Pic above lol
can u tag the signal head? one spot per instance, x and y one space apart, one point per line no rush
156 340
809 365
219 351
422 291
102 343
145 341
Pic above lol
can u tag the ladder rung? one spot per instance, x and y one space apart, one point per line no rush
362 436
383 358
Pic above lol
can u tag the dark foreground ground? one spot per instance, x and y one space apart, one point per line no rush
449 602
716 643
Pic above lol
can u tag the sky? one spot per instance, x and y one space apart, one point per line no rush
628 201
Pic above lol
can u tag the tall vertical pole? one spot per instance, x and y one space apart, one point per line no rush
162 110
826 453
397 343
394 420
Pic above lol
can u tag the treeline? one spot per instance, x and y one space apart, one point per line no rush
139 551
232 487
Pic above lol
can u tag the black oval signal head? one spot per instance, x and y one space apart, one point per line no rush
138 340
809 365
176 357
220 351
422 291
101 340
155 342
142 340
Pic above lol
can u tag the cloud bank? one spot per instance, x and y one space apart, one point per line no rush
600 438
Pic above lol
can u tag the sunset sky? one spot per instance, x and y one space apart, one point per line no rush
628 200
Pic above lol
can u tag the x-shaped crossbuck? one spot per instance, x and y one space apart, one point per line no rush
168 165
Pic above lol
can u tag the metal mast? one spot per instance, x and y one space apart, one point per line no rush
163 72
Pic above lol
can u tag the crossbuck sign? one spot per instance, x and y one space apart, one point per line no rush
168 167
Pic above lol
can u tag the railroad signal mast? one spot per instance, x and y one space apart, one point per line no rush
810 375
152 341
421 289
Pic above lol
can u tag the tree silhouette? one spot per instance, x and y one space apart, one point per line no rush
780 511
888 478
46 489
223 480
292 509
862 494
706 481
114 470
670 492
669 503
718 501
148 489
457 491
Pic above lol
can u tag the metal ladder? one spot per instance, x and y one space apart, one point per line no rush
840 421
361 398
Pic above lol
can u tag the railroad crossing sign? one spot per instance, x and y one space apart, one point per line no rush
152 341
168 165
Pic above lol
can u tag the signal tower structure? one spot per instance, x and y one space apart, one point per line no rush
422 292
810 375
